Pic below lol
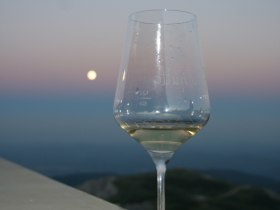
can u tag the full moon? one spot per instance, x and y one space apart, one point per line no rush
91 75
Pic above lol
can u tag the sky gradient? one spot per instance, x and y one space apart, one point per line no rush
49 46
52 118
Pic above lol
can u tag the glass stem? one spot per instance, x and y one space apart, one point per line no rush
161 169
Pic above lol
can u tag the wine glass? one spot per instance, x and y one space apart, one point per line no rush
161 99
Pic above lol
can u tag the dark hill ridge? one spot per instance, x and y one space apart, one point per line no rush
232 176
184 190
79 178
243 178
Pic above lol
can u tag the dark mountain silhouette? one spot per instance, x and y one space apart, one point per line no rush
185 190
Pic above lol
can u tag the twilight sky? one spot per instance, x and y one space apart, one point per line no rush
48 46
52 118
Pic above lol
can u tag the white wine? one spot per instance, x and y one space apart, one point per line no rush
162 139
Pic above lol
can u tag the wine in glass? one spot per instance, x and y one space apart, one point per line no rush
161 99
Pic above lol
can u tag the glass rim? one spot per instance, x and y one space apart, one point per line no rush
186 17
